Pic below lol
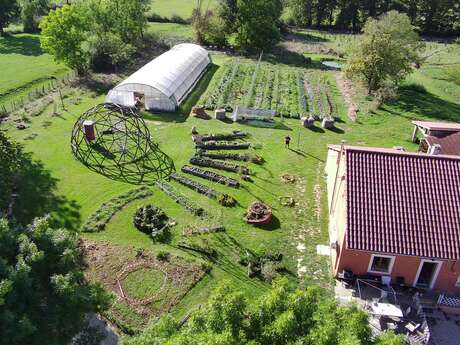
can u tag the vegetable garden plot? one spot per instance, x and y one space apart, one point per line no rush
291 91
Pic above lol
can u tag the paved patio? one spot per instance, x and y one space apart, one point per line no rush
422 323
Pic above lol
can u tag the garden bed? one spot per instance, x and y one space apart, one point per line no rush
209 163
211 176
224 199
145 286
222 145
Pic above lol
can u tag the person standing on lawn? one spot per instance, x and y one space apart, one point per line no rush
287 141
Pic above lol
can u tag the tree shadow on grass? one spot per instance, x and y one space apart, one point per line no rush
275 224
306 37
23 45
37 197
415 104
284 56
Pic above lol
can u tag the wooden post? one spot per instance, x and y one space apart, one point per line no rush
414 134
62 100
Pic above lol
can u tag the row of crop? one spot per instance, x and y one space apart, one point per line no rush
290 91
319 97
220 85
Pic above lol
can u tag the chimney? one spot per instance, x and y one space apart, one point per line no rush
434 150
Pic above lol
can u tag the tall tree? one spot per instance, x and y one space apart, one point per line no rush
63 36
10 163
387 51
257 23
31 11
9 10
279 317
43 297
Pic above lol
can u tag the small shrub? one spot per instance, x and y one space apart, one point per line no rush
175 18
163 255
453 73
226 200
206 267
152 221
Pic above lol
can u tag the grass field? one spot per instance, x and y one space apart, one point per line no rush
59 184
182 8
24 67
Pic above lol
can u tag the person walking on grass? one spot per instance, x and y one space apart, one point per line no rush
287 141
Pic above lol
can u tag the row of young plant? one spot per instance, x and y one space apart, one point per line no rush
223 199
259 85
319 98
99 219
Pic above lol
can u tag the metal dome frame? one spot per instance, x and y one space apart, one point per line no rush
120 145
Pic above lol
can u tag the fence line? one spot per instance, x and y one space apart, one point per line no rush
36 93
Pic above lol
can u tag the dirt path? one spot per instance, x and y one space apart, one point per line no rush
346 89
308 216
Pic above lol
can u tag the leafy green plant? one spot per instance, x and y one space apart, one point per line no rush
152 221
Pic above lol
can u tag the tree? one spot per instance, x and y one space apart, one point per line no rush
43 296
281 316
227 11
387 51
31 10
10 163
100 33
9 10
64 31
257 23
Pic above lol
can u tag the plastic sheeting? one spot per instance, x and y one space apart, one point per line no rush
166 81
125 98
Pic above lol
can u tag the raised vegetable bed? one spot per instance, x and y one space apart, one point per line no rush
223 136
224 156
224 199
209 163
259 214
179 198
222 145
211 176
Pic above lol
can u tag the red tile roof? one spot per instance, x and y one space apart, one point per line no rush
450 145
438 126
403 203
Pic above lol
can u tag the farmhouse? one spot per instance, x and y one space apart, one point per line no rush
165 82
395 214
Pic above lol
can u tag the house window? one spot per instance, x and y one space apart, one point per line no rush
381 264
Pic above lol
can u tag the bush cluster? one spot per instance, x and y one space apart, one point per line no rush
153 221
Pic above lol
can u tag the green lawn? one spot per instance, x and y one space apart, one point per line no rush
24 67
63 186
182 8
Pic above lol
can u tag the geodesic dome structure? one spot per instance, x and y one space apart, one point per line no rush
115 142
166 81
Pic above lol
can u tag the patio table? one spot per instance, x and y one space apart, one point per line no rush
386 309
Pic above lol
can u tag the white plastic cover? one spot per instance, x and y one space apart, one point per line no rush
125 98
166 80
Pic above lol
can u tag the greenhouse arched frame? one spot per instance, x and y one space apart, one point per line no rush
164 82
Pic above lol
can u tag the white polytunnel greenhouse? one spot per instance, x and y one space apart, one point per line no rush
166 81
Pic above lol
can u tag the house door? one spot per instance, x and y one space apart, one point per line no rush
427 274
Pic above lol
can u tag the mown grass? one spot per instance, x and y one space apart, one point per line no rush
24 67
182 8
72 192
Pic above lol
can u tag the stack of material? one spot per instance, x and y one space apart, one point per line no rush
328 123
220 114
